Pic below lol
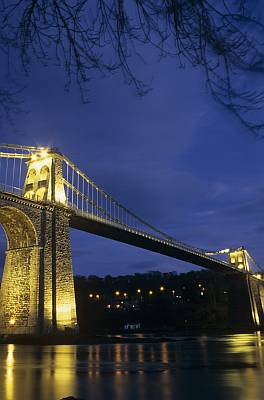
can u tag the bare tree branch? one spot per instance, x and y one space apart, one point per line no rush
222 37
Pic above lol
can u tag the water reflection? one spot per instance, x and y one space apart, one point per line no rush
9 372
226 367
62 377
259 349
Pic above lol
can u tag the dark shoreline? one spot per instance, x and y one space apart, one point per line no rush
140 337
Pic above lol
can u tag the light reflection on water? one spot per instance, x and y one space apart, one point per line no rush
226 367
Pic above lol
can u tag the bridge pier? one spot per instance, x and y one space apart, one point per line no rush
246 302
37 290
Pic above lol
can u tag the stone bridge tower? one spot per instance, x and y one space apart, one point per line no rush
246 294
37 290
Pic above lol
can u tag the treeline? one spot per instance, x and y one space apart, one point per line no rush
156 301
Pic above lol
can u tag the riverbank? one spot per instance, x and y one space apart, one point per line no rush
141 337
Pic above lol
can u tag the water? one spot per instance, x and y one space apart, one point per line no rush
226 367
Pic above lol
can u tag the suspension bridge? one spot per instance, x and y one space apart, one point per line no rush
42 195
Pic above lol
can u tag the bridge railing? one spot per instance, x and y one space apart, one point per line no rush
10 189
86 196
140 233
115 223
13 166
112 222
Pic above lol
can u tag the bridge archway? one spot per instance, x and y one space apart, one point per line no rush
3 248
19 230
19 286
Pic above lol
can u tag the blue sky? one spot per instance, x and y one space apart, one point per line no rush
174 157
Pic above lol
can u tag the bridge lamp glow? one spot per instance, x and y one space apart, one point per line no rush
43 152
125 294
60 194
34 157
63 312
162 288
91 295
12 321
64 308
138 290
117 293
97 296
150 292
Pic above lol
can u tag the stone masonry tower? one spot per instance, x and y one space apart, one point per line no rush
246 294
37 290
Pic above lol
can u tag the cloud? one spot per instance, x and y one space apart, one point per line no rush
252 209
81 253
204 214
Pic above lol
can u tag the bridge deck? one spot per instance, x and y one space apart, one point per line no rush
108 229
114 232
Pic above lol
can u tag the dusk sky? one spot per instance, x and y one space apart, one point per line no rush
174 157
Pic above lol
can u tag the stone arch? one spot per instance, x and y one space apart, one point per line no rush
37 290
19 286
30 183
44 173
3 248
19 229
31 176
43 183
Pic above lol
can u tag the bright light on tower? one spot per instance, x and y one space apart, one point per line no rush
44 153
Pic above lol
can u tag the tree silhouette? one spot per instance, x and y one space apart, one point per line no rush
222 37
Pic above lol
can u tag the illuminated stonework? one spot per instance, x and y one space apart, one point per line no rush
44 181
238 259
37 289
253 291
19 288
